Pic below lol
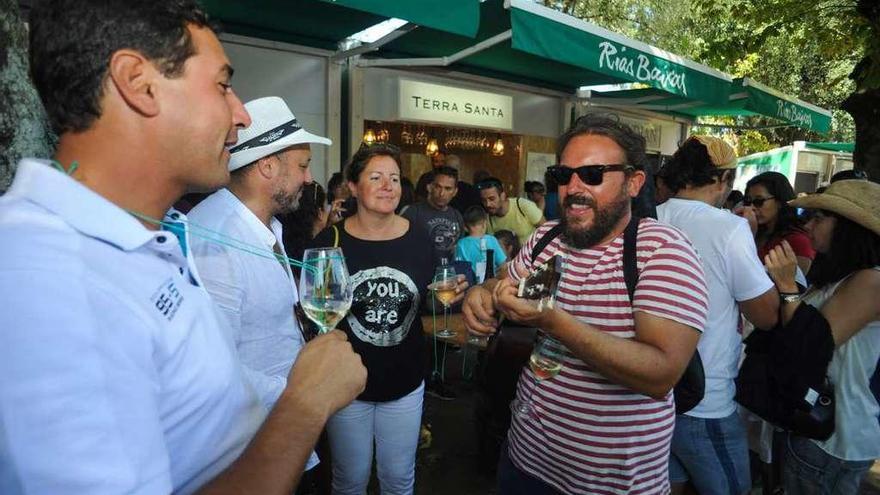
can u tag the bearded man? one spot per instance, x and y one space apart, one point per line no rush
604 423
236 241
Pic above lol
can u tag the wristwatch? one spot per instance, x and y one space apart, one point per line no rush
790 297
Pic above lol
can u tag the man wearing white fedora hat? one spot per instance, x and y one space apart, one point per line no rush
116 375
269 165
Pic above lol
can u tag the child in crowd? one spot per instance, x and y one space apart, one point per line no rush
509 241
470 248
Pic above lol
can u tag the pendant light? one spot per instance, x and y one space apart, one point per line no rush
498 147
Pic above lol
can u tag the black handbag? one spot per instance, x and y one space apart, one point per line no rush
783 378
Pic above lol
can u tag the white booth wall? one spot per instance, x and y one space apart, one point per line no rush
302 77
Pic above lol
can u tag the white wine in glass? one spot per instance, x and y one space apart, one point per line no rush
444 284
545 362
325 290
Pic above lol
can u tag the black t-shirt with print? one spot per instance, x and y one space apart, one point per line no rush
437 225
390 280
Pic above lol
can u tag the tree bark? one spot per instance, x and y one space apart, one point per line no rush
865 109
24 127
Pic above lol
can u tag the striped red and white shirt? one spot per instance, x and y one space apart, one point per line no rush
592 436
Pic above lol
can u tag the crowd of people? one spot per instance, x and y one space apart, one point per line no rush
146 349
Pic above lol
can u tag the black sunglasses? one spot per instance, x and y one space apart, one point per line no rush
590 175
758 202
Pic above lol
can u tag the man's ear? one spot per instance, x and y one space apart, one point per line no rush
267 167
134 78
634 183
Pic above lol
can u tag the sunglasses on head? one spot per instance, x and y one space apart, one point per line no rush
758 202
486 184
591 175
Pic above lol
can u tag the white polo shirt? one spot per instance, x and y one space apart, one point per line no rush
255 295
114 374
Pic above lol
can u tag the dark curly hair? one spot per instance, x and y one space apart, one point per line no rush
71 42
692 166
852 248
364 154
633 144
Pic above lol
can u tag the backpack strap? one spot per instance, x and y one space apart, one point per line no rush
518 207
545 240
335 235
630 265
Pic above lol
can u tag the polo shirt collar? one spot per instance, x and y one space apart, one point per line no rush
83 209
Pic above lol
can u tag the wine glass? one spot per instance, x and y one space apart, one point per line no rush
444 283
545 362
325 290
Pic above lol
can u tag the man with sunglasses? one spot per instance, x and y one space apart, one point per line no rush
709 447
518 215
604 423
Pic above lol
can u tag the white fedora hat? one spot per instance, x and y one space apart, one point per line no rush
273 128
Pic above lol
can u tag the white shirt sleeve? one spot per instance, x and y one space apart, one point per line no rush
748 277
79 406
224 282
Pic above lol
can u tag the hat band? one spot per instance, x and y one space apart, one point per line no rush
268 137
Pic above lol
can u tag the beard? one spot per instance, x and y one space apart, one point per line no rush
604 220
286 202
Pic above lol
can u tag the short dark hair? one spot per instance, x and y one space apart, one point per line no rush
632 143
849 175
336 180
691 165
474 215
71 42
509 238
853 248
533 186
734 197
362 157
777 185
445 170
489 182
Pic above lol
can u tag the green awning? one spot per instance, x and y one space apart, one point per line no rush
839 147
324 23
553 35
524 42
748 98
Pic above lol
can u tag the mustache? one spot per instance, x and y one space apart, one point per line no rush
572 200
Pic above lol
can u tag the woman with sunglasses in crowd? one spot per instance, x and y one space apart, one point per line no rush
767 195
845 227
389 281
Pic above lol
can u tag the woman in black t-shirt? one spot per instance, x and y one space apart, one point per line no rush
390 265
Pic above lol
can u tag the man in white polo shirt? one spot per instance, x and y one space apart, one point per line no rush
256 295
115 374
709 446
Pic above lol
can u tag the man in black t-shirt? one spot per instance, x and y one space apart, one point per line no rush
442 223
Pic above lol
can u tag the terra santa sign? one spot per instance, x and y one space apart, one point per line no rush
423 101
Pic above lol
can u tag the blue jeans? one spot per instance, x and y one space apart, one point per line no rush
809 470
394 426
712 453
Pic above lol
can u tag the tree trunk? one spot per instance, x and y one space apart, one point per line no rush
24 128
865 109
